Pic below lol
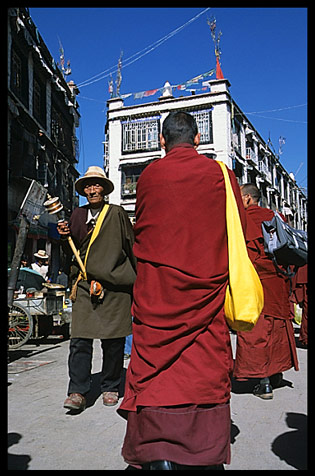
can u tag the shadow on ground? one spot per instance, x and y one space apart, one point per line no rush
292 445
247 386
16 462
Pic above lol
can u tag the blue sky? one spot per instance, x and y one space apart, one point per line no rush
264 56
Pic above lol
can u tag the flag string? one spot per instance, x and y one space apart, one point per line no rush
141 53
189 85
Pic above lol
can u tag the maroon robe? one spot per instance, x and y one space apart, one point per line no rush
300 296
181 352
181 346
269 347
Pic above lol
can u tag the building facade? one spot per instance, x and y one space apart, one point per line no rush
132 142
42 119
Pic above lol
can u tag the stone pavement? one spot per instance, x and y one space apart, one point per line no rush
42 435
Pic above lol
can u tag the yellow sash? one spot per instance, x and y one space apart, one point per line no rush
83 275
95 233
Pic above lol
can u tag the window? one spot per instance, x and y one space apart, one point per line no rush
39 101
236 135
129 178
19 75
42 172
61 133
141 135
55 125
16 73
250 151
204 123
285 189
278 180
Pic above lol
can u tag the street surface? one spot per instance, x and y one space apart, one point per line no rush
42 435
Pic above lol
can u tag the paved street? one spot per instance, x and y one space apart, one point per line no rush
42 435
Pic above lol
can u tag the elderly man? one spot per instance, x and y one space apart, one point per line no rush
178 380
102 297
269 348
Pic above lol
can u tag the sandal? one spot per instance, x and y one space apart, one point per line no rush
110 398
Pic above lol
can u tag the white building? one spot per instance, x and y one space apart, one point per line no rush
132 142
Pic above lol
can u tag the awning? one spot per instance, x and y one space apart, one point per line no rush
137 161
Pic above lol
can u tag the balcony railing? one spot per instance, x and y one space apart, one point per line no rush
262 167
250 155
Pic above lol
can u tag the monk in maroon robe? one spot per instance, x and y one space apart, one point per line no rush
300 296
178 381
269 348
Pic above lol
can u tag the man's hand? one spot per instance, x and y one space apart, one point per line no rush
63 228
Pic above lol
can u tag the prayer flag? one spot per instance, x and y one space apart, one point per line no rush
209 73
150 92
139 95
61 55
196 78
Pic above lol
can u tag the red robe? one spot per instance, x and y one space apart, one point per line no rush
300 296
181 350
269 347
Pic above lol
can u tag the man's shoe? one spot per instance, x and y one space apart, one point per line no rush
169 465
160 465
110 398
264 391
75 401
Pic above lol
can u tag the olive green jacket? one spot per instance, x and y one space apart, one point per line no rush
112 263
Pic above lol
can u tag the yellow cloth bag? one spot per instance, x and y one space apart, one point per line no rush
244 298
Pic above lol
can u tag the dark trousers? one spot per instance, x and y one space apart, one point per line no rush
80 364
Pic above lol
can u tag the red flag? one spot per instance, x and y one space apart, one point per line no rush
150 93
219 73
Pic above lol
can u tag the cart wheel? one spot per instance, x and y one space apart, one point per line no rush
20 326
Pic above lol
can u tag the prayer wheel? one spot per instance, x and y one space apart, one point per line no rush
53 205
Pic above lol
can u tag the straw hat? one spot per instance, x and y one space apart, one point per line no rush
97 173
41 254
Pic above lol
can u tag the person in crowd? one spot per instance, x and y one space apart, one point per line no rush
269 349
177 389
40 265
127 349
300 297
24 262
62 278
102 301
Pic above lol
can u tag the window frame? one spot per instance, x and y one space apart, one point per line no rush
140 135
39 100
207 113
19 75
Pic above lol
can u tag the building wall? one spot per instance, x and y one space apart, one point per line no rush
35 87
235 142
